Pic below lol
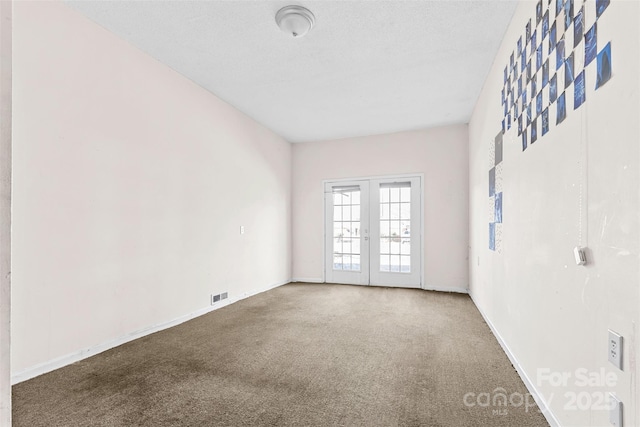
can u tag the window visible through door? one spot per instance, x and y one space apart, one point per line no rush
346 228
395 227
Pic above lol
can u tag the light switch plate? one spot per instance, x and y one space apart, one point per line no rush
615 349
615 413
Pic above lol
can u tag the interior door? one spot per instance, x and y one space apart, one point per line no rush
373 232
347 232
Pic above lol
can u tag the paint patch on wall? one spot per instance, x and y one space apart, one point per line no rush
495 190
498 178
498 238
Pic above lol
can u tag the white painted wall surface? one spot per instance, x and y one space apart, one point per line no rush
551 313
131 184
441 154
5 212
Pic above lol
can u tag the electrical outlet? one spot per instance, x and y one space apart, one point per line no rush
615 411
615 349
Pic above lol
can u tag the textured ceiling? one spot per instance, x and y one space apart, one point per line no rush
367 67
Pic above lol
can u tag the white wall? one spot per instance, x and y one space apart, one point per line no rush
131 184
5 213
441 154
579 184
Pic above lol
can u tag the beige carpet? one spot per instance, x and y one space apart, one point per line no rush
299 355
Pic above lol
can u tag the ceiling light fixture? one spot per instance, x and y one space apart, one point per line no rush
295 20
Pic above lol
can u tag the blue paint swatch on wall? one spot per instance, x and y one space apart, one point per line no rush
579 95
561 109
545 24
520 86
519 46
545 73
568 71
590 47
519 125
545 121
559 4
604 66
553 88
552 38
560 54
534 87
527 32
601 5
524 141
538 12
539 104
568 14
534 130
538 57
498 208
534 36
577 28
492 236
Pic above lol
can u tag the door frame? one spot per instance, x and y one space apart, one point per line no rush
420 176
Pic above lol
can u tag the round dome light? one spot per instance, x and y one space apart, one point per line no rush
295 20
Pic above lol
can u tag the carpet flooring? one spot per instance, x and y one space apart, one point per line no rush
298 355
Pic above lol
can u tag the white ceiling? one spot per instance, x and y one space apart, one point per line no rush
367 67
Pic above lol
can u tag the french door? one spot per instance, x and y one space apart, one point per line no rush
373 232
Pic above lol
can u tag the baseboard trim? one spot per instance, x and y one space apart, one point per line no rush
446 289
85 353
307 279
537 396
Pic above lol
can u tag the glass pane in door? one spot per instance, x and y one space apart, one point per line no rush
346 228
395 227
